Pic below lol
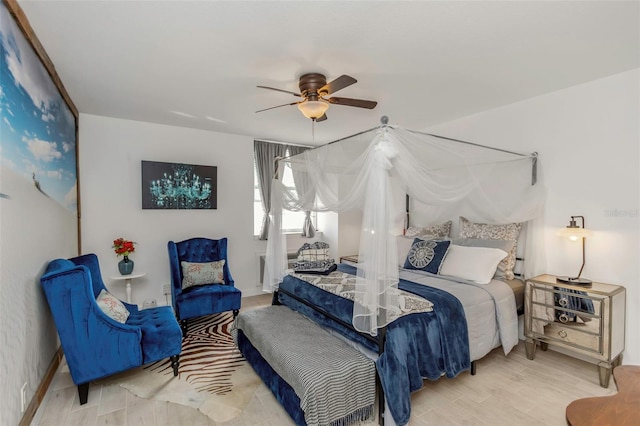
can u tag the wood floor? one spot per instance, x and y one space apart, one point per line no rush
509 390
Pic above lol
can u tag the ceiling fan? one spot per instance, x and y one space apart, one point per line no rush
314 90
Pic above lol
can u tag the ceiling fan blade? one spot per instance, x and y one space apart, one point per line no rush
266 109
337 84
360 103
321 118
280 90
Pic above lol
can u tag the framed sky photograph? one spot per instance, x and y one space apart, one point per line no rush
179 186
38 127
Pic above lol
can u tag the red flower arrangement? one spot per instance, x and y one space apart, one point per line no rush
123 247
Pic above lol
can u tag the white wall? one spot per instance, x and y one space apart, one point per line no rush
34 230
588 140
111 151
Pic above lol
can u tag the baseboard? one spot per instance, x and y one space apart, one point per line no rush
30 412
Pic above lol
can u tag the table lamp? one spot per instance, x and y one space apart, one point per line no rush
575 233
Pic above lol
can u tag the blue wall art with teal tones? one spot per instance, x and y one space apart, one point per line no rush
178 186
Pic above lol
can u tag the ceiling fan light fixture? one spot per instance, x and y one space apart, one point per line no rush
313 109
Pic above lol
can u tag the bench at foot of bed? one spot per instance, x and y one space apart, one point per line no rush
318 378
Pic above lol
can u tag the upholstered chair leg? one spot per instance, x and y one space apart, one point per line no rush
83 393
183 326
235 313
175 363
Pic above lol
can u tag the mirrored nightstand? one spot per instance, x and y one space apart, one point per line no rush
589 321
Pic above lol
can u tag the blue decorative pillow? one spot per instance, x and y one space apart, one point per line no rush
427 255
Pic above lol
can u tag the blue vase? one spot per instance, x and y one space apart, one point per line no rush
125 266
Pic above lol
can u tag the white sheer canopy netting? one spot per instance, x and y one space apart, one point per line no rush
371 172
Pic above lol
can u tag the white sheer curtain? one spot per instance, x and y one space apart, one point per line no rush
302 184
372 171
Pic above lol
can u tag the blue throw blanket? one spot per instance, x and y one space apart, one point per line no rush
417 346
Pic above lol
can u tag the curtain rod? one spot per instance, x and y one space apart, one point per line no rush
281 143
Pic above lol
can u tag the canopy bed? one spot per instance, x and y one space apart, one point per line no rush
419 303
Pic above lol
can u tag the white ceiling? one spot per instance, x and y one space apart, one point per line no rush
197 63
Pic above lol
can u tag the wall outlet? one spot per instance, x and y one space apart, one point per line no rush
151 303
166 289
23 397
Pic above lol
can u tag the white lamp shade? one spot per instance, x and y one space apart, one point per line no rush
313 109
574 234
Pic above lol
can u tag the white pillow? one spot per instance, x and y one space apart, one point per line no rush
112 307
506 245
477 264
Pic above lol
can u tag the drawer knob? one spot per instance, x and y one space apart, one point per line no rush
563 318
562 334
563 301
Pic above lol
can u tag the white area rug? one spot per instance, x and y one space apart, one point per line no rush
213 376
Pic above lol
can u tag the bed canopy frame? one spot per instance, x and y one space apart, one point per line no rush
376 172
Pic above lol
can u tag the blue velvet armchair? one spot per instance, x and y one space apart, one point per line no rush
94 344
206 299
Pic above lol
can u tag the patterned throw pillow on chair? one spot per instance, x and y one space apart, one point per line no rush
427 255
112 307
202 273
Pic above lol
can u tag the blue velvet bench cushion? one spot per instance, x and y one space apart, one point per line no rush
161 333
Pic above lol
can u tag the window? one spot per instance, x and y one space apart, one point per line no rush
291 221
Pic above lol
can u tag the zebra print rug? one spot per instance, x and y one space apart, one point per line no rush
213 377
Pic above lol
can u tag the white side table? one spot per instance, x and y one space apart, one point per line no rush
128 279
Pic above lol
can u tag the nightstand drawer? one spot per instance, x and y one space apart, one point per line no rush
574 336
